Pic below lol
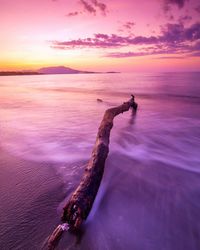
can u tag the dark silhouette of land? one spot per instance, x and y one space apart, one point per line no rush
16 73
51 71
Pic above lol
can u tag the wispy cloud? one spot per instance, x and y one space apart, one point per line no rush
182 50
75 13
126 54
170 57
105 41
88 7
98 41
129 25
195 54
168 3
173 38
170 33
197 8
185 19
101 6
94 6
145 51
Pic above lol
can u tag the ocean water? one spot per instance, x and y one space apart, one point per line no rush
149 197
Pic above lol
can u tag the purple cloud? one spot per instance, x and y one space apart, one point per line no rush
192 33
185 19
98 41
155 50
174 39
170 18
101 6
93 6
174 33
138 40
71 14
179 3
106 41
137 54
180 51
170 57
170 34
129 25
126 54
198 8
195 54
145 51
88 7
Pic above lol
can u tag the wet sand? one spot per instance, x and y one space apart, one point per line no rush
30 193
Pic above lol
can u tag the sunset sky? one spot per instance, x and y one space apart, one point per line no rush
128 35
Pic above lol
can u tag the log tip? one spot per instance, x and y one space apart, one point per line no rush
134 105
55 237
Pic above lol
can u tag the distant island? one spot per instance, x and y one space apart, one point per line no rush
51 71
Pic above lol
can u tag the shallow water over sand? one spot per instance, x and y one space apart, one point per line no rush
150 193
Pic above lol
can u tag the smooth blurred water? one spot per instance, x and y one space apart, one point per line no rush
150 193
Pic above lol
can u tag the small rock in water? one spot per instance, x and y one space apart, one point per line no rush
99 100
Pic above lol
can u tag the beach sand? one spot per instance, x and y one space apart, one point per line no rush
30 193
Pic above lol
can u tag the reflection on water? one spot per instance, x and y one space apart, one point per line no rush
150 193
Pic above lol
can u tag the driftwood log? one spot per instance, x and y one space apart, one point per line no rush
80 203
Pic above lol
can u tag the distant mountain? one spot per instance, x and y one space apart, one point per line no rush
61 70
51 70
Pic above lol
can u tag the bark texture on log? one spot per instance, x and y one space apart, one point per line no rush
79 205
55 237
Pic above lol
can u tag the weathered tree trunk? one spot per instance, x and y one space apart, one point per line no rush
81 201
54 238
